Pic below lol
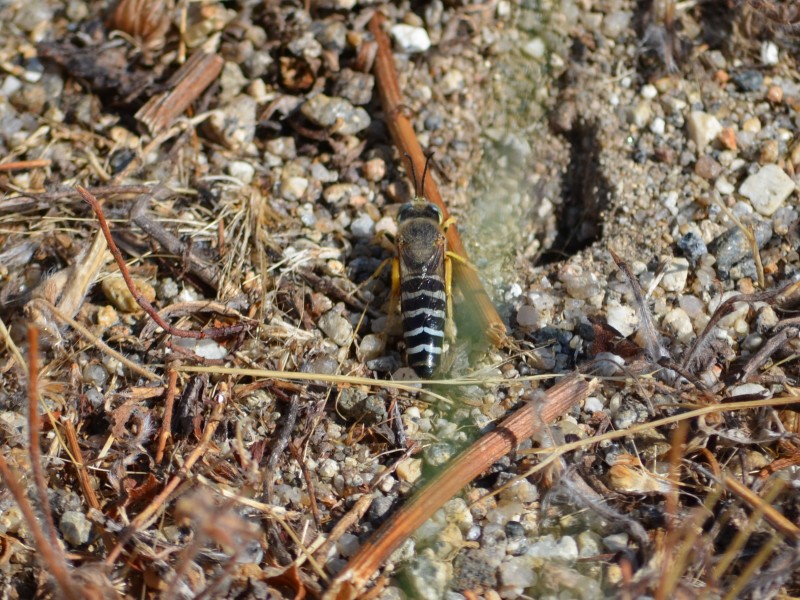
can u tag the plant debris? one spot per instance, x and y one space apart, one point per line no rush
200 395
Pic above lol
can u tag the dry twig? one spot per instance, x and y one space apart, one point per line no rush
207 273
522 424
34 425
200 71
22 165
165 434
48 549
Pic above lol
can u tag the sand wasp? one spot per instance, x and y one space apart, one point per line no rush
422 278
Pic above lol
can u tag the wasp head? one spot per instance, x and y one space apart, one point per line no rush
420 209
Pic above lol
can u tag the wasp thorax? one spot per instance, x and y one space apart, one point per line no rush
421 241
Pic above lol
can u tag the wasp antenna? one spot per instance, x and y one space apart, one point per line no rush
428 158
413 174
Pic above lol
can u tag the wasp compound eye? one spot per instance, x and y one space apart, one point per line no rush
407 211
433 211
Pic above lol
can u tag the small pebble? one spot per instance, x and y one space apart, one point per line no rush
437 455
769 152
234 123
517 571
505 512
107 316
321 363
770 54
616 542
766 319
95 374
354 86
372 346
332 34
328 468
375 169
410 39
674 279
347 545
751 125
363 227
580 286
386 224
75 527
409 470
702 128
692 305
427 576
775 94
707 168
622 318
588 544
692 246
615 23
283 147
207 348
527 316
336 327
649 91
678 323
534 48
732 246
293 188
641 114
340 193
748 389
452 82
592 404
231 81
767 189
322 174
658 126
117 292
724 187
241 170
335 113
565 549
629 415
380 507
727 137
748 80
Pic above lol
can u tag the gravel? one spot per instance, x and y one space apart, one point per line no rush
336 113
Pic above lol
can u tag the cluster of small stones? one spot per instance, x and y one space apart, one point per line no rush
688 154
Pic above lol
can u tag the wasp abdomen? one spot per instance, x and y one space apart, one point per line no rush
422 303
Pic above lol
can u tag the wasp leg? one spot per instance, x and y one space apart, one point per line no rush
449 323
394 300
461 260
450 221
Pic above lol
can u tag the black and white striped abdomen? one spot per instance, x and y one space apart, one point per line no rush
422 305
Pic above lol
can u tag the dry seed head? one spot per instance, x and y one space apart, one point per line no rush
146 21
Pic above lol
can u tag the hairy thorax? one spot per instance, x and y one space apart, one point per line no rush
420 240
